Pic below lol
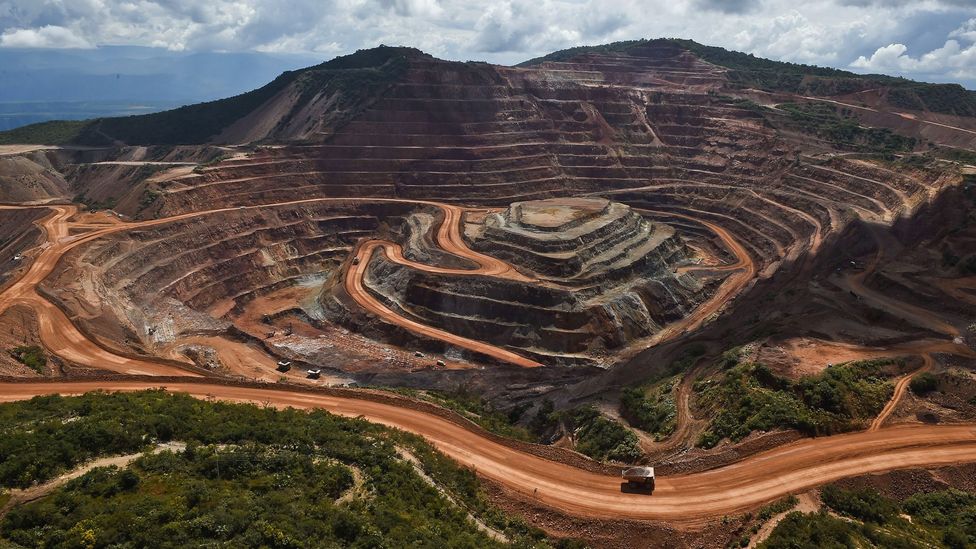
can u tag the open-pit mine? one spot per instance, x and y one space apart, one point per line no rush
644 220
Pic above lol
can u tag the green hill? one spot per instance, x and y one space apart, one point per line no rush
353 78
749 71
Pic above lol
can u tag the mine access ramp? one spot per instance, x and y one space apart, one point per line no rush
638 478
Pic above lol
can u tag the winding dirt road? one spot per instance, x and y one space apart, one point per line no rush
855 282
685 498
355 287
734 488
744 271
61 337
57 332
64 339
900 387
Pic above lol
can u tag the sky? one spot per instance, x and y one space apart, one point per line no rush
931 40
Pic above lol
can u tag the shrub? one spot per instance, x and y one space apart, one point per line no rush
31 356
923 383
602 438
769 511
750 397
861 503
249 477
821 530
651 410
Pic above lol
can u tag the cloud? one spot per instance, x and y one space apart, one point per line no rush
830 32
510 26
892 3
48 36
967 31
954 59
728 6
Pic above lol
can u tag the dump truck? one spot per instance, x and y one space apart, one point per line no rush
314 374
284 365
639 478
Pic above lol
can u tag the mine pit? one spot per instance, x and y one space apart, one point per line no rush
593 276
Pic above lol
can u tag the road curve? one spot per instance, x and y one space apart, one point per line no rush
694 497
355 287
900 387
448 237
59 335
744 270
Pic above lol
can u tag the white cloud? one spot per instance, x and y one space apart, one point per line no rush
967 31
48 36
951 59
832 32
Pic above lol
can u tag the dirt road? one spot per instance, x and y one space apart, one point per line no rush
61 337
900 387
792 468
57 332
354 286
449 238
744 272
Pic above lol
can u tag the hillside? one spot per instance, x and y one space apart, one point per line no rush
311 104
295 105
749 71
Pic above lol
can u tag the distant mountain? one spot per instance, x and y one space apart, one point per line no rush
46 84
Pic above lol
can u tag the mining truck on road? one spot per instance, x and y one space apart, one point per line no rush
638 479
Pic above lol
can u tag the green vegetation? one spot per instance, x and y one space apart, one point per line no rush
513 423
780 506
864 504
55 132
468 403
749 71
31 356
938 519
820 530
839 128
923 383
355 78
651 409
569 53
951 512
249 476
765 513
941 98
956 155
750 397
602 438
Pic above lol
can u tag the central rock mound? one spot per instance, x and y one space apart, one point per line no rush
596 276
579 241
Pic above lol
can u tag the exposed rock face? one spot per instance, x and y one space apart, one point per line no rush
603 276
580 242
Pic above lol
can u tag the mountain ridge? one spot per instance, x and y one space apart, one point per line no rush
341 87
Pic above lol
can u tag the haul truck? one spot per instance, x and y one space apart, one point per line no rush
638 479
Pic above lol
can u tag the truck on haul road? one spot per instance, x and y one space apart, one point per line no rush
638 479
